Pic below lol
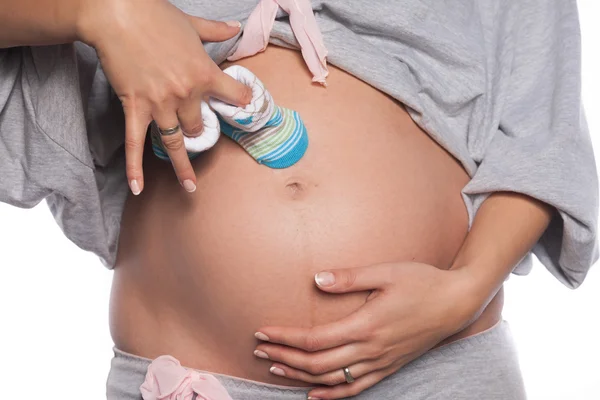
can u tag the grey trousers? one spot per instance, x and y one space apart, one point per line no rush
481 367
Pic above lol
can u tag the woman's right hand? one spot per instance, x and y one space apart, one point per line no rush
152 54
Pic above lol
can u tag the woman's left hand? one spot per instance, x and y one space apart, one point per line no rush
411 308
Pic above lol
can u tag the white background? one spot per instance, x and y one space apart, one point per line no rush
54 301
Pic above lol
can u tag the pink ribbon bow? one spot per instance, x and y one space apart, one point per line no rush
302 20
166 379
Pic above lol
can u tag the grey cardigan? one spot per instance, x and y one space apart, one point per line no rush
496 83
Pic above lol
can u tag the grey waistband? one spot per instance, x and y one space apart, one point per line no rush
483 366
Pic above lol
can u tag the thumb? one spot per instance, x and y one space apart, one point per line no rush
214 31
357 279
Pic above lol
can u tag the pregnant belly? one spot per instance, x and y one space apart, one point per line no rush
198 274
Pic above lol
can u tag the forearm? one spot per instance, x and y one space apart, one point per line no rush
505 228
38 22
46 22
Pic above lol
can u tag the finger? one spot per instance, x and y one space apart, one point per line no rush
356 279
214 31
136 125
229 90
210 131
345 331
352 389
332 378
175 148
190 117
317 363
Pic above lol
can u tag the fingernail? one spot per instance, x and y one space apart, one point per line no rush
325 279
313 398
189 186
261 336
261 354
277 371
135 187
235 24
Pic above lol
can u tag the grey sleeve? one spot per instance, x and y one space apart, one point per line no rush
19 185
44 147
42 122
542 147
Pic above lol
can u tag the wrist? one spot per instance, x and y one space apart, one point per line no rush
88 20
472 292
96 18
61 24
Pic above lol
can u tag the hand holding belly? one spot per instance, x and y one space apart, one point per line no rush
411 308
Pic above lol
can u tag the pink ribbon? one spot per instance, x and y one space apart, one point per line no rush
166 379
302 20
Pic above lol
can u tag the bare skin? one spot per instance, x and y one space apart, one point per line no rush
198 274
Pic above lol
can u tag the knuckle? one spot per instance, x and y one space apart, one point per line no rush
244 96
132 144
331 380
158 94
158 99
183 90
317 367
376 352
173 144
349 278
167 94
247 93
205 78
194 127
311 342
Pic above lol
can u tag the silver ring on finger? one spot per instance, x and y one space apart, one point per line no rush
169 131
347 375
